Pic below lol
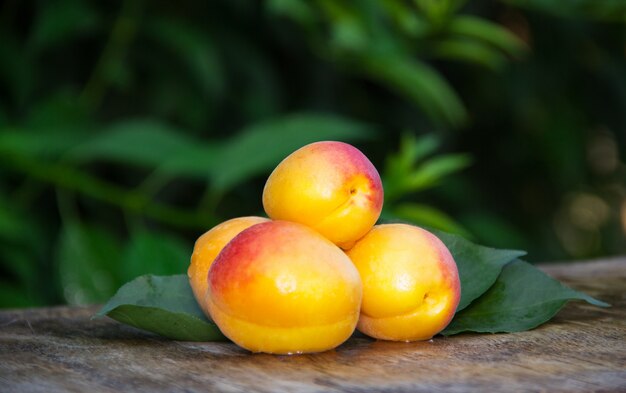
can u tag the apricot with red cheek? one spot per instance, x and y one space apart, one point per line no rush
207 247
280 287
328 186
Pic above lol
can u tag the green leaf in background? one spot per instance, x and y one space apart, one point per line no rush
138 142
89 263
495 229
429 216
412 23
522 298
420 83
479 266
348 30
401 164
404 175
298 10
470 52
194 163
261 146
30 143
164 305
155 253
411 151
172 153
432 171
487 32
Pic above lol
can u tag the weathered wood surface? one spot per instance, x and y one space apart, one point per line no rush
582 349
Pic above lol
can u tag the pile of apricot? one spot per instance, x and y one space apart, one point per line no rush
304 279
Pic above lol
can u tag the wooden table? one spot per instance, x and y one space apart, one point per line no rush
582 349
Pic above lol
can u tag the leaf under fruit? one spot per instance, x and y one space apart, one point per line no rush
522 298
164 305
479 266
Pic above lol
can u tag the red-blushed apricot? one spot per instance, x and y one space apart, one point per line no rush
280 287
207 247
411 286
328 186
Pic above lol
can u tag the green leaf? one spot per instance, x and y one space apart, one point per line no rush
411 151
298 10
437 10
522 298
195 163
479 266
89 260
49 144
427 175
170 152
470 52
489 226
422 84
348 31
488 32
260 147
155 253
433 170
400 165
429 216
164 305
139 142
412 23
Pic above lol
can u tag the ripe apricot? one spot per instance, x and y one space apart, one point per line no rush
280 287
328 186
207 247
411 286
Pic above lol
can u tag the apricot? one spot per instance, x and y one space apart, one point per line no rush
280 287
328 186
411 286
207 247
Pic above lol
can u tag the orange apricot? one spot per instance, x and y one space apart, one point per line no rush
207 247
328 186
280 287
411 286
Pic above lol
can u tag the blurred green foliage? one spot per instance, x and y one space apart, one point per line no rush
127 128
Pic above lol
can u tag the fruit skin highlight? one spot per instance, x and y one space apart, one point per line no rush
328 186
280 287
206 249
411 286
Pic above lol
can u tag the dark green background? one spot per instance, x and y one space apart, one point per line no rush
128 128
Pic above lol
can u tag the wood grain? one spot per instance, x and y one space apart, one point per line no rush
582 349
